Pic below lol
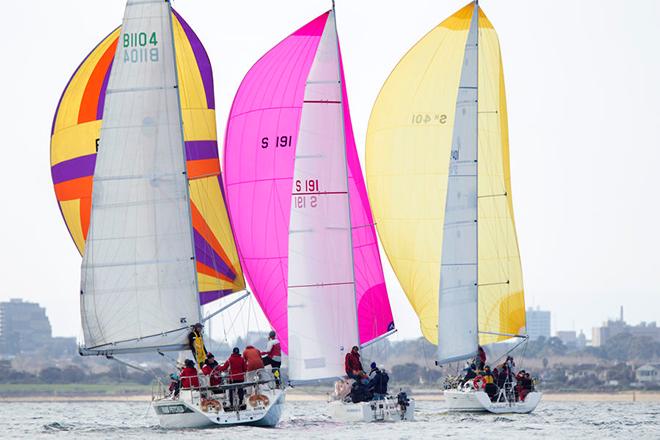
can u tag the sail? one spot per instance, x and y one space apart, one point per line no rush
76 130
262 136
321 292
138 283
457 313
410 142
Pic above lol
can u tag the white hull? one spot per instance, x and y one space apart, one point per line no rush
188 413
387 410
478 401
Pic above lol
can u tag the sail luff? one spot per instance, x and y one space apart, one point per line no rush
342 95
458 293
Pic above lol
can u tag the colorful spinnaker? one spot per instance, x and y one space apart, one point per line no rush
440 186
299 207
74 145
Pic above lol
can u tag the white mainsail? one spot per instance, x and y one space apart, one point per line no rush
457 324
139 286
322 315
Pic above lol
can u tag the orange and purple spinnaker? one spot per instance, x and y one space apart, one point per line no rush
74 142
260 150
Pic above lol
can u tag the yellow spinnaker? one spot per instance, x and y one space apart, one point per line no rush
408 150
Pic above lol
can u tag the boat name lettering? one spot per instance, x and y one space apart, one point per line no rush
427 118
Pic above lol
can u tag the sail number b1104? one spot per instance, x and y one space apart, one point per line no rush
140 47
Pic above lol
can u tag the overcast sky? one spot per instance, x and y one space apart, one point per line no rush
584 110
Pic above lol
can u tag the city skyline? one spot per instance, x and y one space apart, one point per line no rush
586 229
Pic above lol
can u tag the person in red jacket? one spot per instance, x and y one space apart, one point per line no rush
353 366
189 377
210 369
237 367
253 361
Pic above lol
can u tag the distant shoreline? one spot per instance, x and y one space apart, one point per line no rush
295 395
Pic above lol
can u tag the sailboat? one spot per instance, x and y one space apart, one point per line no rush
300 213
137 177
440 187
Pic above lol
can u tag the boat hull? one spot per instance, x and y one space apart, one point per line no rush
478 401
177 414
387 410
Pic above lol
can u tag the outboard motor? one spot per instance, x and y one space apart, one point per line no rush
403 402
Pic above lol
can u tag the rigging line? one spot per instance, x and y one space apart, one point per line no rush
494 284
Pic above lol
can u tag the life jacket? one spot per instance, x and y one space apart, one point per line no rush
198 347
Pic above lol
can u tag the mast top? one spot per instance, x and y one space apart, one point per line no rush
333 5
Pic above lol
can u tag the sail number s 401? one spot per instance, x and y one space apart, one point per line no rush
428 118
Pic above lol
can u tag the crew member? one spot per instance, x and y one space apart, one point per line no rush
273 356
196 344
236 366
352 364
253 362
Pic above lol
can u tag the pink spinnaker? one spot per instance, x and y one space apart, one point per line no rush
260 145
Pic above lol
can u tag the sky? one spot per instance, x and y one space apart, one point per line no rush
583 101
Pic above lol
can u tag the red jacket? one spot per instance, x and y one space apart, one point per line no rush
189 378
252 358
236 366
353 363
214 379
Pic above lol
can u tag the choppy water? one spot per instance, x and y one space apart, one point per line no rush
305 420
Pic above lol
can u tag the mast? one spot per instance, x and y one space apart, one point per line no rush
185 164
348 192
476 122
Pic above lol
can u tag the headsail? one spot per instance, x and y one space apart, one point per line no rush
415 142
76 130
264 133
139 286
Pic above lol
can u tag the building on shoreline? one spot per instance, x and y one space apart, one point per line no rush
538 323
25 328
611 328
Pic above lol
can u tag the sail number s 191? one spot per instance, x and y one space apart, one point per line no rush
304 196
280 142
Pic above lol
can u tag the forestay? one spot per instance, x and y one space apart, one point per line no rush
138 287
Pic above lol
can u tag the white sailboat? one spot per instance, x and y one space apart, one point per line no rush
439 180
139 276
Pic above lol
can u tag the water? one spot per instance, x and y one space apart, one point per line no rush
305 420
